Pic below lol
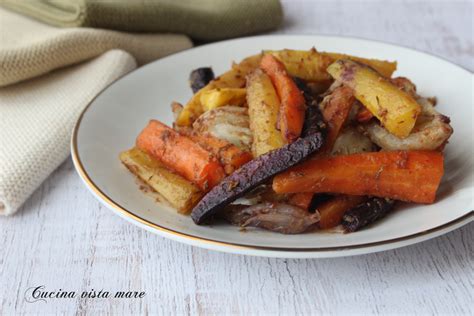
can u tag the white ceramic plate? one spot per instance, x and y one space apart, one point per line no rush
112 121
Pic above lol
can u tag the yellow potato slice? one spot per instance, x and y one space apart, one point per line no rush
215 98
396 109
179 192
264 105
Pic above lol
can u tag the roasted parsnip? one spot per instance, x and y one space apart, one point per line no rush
264 105
179 192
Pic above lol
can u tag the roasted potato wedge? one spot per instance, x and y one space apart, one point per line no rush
234 78
311 65
383 67
179 192
305 64
264 105
211 99
396 109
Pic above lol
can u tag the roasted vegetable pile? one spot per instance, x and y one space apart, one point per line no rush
295 141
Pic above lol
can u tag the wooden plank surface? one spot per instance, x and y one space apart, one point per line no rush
63 239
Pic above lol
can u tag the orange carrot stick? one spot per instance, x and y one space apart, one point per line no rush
180 154
331 211
302 200
230 156
402 175
292 106
364 115
335 109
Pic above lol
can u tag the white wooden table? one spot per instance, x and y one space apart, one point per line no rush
63 238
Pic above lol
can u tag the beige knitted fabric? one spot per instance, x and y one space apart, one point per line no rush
29 48
37 114
36 119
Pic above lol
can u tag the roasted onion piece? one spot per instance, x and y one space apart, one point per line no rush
431 131
230 123
276 217
351 141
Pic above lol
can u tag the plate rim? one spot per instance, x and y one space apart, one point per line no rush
222 245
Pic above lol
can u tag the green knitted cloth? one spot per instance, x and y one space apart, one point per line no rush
200 19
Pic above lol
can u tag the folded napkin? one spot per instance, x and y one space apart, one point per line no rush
30 48
200 19
36 118
37 114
